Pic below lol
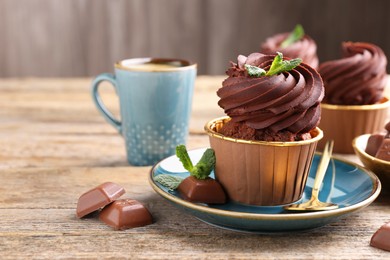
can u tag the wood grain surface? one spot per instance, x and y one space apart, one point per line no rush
54 38
54 146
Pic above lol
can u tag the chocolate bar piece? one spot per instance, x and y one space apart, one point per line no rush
387 126
383 152
381 238
373 144
125 213
98 197
203 191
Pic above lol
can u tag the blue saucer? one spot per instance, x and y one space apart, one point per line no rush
349 185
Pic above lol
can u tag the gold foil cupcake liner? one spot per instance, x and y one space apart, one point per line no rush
258 172
343 123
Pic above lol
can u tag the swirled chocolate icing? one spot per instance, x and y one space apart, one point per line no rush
305 48
359 78
282 107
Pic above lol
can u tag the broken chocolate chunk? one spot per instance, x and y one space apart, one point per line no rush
373 144
125 213
381 238
97 198
383 152
387 126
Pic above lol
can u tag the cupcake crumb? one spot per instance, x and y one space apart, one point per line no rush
243 131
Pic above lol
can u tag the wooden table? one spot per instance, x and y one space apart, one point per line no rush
54 145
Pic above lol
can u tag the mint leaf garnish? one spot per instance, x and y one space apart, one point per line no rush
203 168
254 71
182 154
205 165
294 36
279 65
169 181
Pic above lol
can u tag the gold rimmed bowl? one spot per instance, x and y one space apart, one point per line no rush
380 167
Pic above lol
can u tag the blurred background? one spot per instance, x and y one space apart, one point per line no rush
77 38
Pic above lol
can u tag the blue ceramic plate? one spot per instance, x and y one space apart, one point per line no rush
349 185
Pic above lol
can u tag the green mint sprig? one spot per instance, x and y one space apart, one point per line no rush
294 36
278 66
182 154
203 168
169 181
200 171
254 71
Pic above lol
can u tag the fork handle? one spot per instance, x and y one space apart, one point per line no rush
322 166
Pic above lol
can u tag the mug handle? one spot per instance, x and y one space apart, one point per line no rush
99 102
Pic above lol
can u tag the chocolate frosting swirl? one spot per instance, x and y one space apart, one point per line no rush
305 48
287 101
359 78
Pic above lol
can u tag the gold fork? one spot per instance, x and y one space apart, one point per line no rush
314 203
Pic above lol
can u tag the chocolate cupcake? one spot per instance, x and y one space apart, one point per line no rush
354 103
264 148
296 44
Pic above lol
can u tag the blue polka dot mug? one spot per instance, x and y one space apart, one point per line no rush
155 97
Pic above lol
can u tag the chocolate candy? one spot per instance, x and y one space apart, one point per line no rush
384 150
203 191
387 126
381 238
378 145
373 144
98 197
125 213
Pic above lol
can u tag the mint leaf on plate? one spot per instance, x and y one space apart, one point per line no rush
168 181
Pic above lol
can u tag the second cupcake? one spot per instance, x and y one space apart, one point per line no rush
354 103
295 44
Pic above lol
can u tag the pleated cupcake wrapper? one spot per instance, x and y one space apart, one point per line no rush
344 123
262 173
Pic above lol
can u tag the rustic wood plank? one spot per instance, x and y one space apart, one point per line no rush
39 219
51 122
54 146
56 100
